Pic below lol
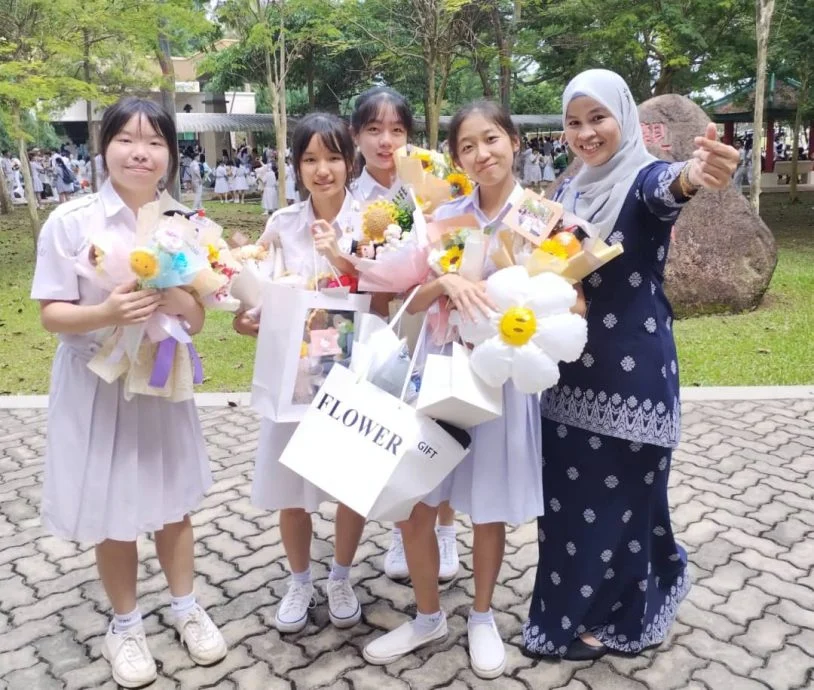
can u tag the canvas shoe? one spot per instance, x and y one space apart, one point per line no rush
343 606
130 660
292 613
487 655
201 637
403 640
448 551
395 561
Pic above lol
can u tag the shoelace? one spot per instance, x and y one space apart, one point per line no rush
342 594
397 548
297 597
198 624
132 647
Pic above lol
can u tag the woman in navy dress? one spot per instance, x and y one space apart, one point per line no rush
610 574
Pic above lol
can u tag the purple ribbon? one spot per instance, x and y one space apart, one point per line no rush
164 359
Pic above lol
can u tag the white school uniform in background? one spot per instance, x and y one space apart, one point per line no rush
36 177
114 469
532 173
196 181
221 179
501 479
239 182
270 196
549 175
291 184
275 486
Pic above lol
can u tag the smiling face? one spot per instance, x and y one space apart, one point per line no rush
378 139
591 131
323 172
137 157
485 151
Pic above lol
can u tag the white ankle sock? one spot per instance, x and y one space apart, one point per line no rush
480 617
446 531
339 572
181 606
304 577
425 623
126 621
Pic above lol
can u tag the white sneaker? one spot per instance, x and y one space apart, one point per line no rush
130 660
201 637
403 640
487 655
395 562
292 613
343 606
448 550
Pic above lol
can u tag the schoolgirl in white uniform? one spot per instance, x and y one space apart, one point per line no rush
240 184
382 121
292 196
323 156
270 196
500 480
115 469
222 182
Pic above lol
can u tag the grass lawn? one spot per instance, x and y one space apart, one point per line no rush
768 346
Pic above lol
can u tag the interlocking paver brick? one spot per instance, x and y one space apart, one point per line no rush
741 488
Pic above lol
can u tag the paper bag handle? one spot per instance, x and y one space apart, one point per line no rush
414 358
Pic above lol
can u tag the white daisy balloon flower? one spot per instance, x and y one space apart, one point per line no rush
530 333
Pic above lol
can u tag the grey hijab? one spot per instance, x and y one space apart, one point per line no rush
597 193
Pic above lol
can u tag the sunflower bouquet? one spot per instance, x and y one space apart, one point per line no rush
431 176
447 256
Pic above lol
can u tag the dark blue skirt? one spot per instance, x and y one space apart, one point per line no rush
608 564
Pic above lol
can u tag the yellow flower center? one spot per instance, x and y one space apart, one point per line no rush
517 326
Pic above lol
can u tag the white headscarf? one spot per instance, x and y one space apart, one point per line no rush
597 193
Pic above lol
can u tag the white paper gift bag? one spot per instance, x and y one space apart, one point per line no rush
287 370
369 449
452 392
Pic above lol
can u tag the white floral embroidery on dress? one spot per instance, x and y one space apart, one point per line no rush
628 363
626 516
555 577
595 442
540 535
595 280
586 591
587 360
617 236
648 478
657 629
663 464
611 481
610 573
573 473
659 531
652 288
566 622
608 415
673 366
606 555
571 548
663 193
635 279
660 253
562 430
650 325
555 505
589 515
610 320
634 546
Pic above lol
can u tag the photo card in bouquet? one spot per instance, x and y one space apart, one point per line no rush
534 217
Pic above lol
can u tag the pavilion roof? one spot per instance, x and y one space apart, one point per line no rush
739 106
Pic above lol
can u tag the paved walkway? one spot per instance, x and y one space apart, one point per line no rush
742 492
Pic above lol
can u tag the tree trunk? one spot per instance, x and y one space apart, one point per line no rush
795 142
764 10
5 196
431 116
168 97
30 197
480 68
309 79
505 49
94 173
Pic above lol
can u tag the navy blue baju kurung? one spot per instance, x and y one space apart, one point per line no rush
609 564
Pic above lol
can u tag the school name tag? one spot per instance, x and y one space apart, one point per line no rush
367 427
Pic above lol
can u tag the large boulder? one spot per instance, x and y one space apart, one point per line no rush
722 255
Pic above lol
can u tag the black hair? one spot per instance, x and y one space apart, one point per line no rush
368 108
334 133
122 111
490 110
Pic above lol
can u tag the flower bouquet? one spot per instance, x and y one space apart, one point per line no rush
165 251
431 176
